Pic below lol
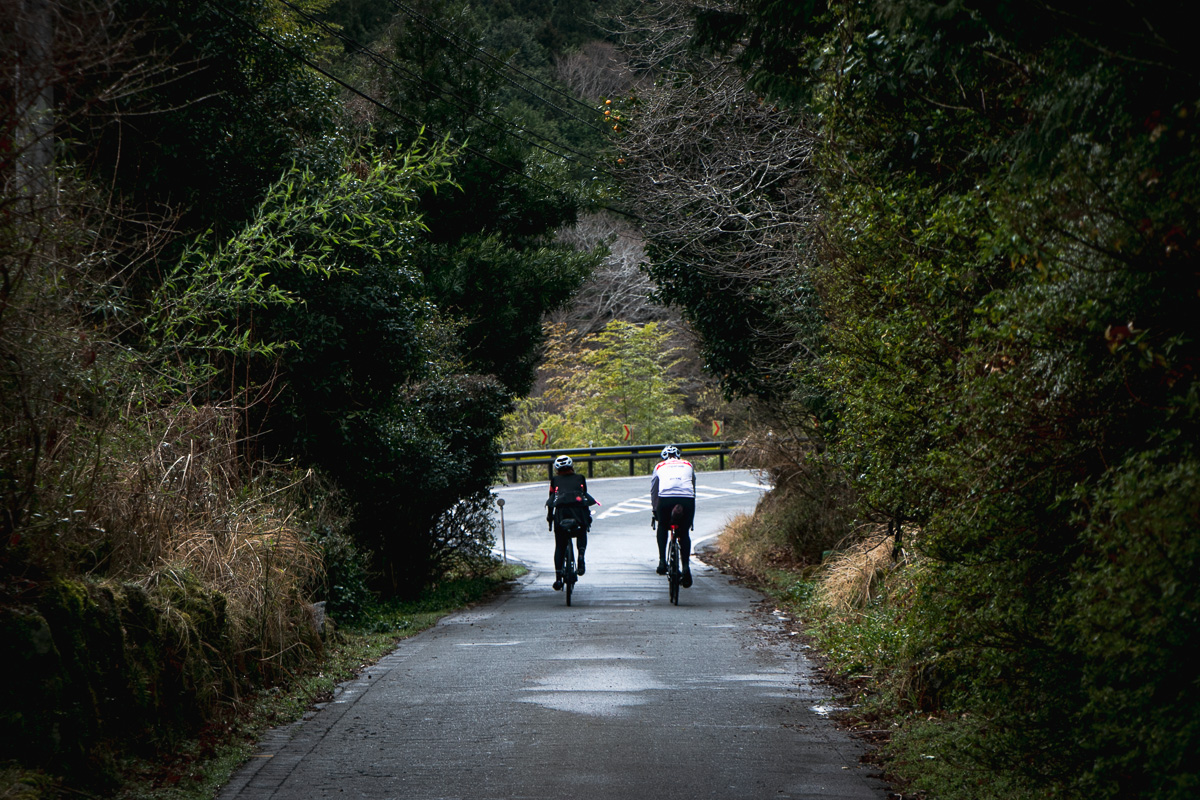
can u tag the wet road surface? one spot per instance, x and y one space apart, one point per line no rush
621 695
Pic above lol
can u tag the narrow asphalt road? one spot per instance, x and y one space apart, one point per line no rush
619 696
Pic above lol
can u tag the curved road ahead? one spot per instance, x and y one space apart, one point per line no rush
620 696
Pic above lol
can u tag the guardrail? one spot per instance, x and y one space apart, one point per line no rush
529 458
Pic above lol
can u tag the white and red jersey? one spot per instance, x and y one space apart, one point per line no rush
672 478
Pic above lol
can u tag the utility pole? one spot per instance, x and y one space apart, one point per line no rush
33 85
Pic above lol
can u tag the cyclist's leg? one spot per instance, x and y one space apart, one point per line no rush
560 553
581 545
560 548
687 506
665 504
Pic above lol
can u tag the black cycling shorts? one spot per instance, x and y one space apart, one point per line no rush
686 504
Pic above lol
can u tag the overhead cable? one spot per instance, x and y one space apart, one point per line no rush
374 101
479 54
257 31
464 105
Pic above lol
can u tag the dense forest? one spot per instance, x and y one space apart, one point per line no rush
271 274
954 245
279 277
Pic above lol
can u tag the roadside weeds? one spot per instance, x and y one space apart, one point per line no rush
204 765
789 587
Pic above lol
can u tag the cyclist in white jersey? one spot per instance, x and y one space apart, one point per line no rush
674 484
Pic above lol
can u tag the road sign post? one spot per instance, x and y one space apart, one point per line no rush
503 543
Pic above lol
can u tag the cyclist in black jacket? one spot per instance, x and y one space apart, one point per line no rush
568 512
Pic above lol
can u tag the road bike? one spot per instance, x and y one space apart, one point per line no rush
569 575
674 564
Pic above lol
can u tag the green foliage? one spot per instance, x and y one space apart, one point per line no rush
619 376
342 246
487 258
871 641
444 73
741 328
216 116
1008 272
1131 619
346 575
374 391
444 451
501 293
951 757
220 280
361 20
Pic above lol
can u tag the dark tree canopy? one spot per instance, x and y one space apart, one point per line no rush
1004 253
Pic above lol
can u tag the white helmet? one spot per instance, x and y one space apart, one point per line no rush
670 451
563 462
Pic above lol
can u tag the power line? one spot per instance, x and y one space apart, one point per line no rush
257 31
474 52
465 106
374 101
448 34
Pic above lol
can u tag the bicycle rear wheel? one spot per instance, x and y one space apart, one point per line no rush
674 573
569 576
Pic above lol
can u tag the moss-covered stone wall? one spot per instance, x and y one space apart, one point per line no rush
102 669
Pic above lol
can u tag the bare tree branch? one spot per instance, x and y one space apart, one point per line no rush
719 178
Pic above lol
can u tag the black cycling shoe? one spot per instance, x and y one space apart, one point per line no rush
662 567
558 583
686 580
580 568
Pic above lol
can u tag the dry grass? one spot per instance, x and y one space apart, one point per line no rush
853 578
812 506
749 550
184 504
784 453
